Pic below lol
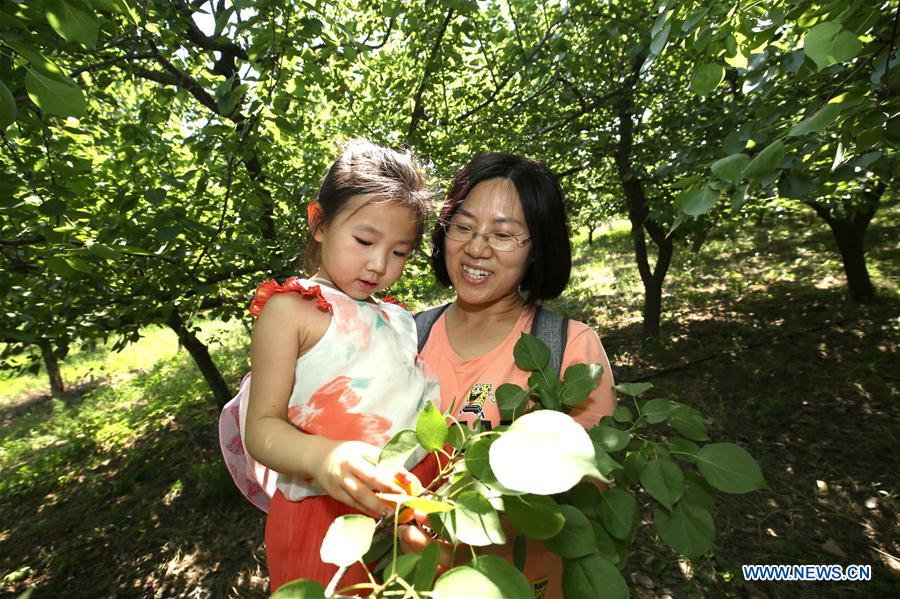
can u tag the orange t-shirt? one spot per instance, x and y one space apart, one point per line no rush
468 386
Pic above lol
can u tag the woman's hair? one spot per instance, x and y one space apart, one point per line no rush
366 169
550 258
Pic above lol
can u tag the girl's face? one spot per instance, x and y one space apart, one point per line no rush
481 275
366 246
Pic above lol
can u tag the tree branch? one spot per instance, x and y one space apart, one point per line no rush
418 111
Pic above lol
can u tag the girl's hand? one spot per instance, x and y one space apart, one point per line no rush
413 539
346 470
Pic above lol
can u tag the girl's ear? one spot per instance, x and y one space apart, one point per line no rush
314 216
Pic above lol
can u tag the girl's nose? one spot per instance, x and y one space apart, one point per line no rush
376 263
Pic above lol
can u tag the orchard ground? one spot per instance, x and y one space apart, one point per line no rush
117 489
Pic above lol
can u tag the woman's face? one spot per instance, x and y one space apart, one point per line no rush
479 273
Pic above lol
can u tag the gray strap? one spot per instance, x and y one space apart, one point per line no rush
549 327
553 330
425 320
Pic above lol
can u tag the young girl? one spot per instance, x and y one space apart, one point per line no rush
334 371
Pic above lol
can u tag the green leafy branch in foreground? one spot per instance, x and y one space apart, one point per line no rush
529 480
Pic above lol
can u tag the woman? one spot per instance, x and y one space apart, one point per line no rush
502 244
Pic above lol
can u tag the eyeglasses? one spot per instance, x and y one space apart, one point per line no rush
498 240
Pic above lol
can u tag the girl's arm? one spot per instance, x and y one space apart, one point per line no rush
287 327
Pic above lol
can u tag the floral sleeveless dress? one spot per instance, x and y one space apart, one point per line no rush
362 381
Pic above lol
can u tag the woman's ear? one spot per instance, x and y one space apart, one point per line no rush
314 216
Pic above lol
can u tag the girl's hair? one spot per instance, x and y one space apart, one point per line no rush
550 259
366 169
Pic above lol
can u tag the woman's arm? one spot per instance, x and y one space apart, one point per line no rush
287 327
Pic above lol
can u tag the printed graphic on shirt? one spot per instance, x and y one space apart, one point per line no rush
539 587
477 398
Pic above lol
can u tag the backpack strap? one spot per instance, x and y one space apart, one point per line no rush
425 320
553 330
549 327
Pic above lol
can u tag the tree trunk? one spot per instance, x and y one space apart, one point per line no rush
57 387
201 357
591 235
638 214
849 229
853 255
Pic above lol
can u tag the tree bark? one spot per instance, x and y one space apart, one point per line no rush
201 357
849 228
57 386
638 213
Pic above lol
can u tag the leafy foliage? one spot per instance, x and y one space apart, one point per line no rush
553 500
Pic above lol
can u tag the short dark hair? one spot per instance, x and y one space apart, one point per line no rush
550 251
366 169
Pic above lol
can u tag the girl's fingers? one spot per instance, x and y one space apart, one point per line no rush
363 498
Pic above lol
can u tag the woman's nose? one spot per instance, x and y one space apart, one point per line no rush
478 245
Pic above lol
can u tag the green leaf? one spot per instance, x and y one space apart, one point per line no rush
609 437
536 516
664 481
828 43
730 168
34 57
52 207
658 410
520 552
765 162
592 576
60 266
478 461
492 577
431 428
633 389
698 492
427 567
475 521
706 78
635 463
531 353
403 566
557 450
72 24
618 511
795 186
683 449
399 449
58 95
458 434
300 589
347 540
659 40
427 506
103 251
580 380
729 468
686 421
817 122
585 496
7 108
698 201
576 539
689 529
604 543
510 399
605 463
622 413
